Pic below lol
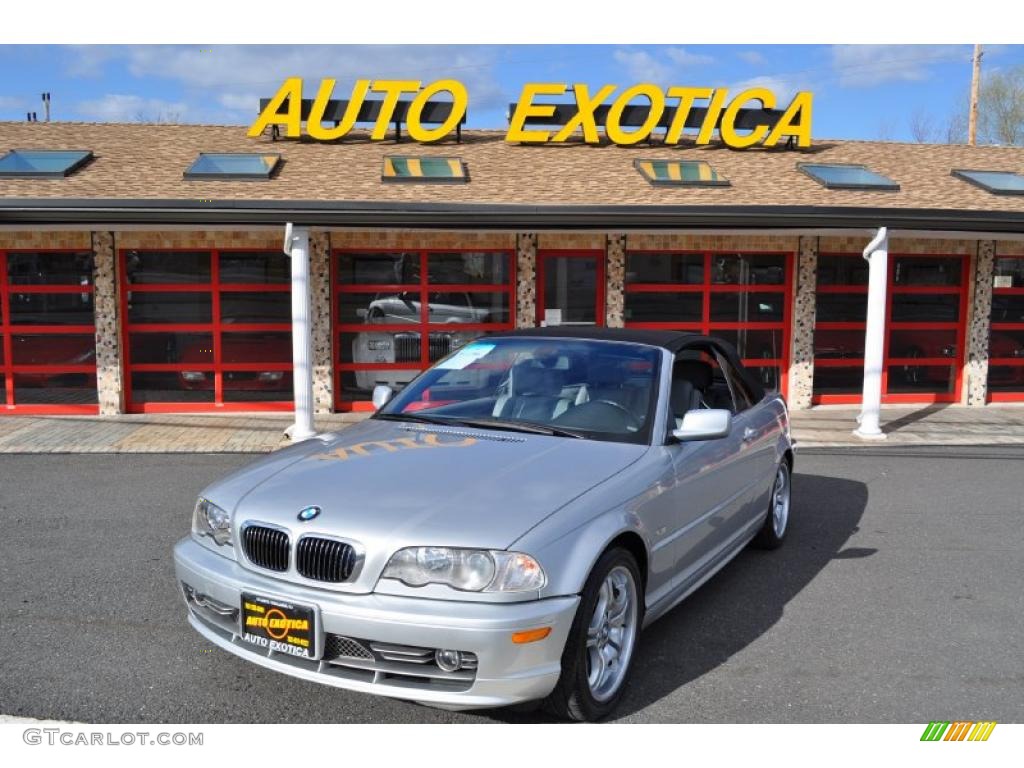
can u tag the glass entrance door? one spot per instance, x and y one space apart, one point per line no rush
570 288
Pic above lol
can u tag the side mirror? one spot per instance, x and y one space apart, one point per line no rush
704 425
382 394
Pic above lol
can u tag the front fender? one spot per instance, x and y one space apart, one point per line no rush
569 560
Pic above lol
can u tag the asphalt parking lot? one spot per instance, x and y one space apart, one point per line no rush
897 598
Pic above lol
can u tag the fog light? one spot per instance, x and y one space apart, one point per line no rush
449 661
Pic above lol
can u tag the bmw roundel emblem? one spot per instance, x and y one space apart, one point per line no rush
307 514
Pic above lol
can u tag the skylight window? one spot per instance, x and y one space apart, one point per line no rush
996 182
693 173
43 163
836 176
449 170
233 165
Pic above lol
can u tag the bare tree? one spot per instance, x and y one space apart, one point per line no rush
886 129
956 127
161 118
922 127
1001 107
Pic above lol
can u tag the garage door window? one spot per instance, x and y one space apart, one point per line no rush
924 333
207 330
1006 338
740 297
47 332
397 312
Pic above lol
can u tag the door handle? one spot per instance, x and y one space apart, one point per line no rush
749 434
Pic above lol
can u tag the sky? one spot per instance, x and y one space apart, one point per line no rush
860 91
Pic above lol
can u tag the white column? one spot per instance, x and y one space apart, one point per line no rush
877 256
296 245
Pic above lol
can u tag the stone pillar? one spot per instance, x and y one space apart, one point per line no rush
981 321
526 280
109 375
323 346
615 280
801 369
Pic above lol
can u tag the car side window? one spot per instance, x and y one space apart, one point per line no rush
741 399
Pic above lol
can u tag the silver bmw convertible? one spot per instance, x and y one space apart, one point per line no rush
501 530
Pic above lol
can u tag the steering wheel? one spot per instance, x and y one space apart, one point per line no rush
632 422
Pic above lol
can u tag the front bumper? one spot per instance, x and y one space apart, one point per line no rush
506 673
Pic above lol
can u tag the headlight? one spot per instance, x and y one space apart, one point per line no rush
469 570
210 520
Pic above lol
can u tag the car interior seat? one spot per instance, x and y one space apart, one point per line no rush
690 381
535 393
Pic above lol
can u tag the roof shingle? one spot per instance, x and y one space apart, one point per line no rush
138 161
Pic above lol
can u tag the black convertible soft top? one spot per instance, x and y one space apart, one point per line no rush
673 341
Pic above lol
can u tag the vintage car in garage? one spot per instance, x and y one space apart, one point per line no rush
501 530
449 308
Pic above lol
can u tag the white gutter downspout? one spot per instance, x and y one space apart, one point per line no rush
296 246
877 256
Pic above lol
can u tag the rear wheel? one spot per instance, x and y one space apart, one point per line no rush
773 532
598 653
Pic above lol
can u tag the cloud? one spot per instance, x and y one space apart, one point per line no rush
224 83
783 88
122 108
642 67
863 66
751 57
662 68
684 58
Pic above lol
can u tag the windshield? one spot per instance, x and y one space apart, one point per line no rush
595 389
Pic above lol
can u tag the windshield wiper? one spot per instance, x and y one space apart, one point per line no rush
417 417
520 426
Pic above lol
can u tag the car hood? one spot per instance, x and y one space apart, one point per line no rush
392 484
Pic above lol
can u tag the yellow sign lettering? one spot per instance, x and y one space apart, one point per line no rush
315 126
721 113
460 100
290 91
728 126
584 117
686 96
613 127
525 108
392 90
795 122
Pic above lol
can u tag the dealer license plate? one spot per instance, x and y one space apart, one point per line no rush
278 625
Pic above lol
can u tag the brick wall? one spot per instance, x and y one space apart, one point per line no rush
12 240
407 240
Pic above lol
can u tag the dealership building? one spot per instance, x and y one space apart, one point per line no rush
141 266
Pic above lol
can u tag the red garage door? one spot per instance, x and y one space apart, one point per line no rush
47 332
1006 342
743 298
206 330
926 317
398 312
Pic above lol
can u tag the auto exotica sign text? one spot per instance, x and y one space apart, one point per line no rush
673 109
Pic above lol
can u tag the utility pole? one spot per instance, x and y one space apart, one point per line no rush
972 120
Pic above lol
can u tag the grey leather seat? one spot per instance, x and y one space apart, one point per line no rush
690 379
536 394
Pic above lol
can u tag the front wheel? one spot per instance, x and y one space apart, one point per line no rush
773 532
599 650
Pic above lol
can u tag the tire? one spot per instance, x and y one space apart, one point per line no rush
582 694
776 522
